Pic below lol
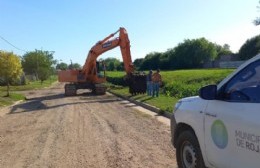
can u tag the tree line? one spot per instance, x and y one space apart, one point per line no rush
190 54
39 64
194 53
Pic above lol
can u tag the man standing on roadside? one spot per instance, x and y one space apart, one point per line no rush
149 83
157 80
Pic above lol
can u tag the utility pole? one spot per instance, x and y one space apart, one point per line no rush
71 67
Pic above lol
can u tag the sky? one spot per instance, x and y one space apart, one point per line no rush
70 28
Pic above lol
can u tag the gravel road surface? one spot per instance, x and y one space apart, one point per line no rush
85 131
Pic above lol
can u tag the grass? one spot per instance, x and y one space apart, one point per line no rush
204 76
186 83
13 97
31 85
162 102
176 85
187 76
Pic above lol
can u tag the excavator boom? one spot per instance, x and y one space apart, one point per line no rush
88 77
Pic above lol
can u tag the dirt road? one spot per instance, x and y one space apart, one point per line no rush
51 130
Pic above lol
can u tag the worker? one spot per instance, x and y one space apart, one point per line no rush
149 83
157 80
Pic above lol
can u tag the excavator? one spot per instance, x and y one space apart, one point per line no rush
89 76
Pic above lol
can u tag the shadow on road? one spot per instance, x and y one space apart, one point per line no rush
38 103
49 97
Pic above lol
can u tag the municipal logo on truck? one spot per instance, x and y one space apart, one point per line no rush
219 134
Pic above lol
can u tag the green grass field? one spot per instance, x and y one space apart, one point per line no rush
31 85
162 102
186 76
5 101
176 84
14 96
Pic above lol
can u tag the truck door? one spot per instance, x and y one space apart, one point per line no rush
232 123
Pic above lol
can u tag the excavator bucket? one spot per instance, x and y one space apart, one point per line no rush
137 83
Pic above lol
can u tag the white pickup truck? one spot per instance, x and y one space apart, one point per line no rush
221 126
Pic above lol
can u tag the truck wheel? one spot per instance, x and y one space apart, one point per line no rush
188 152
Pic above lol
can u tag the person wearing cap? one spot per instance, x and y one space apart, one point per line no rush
149 84
157 80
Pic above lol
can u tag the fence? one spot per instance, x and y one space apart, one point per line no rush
230 64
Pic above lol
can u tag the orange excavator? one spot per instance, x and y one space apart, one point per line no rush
89 77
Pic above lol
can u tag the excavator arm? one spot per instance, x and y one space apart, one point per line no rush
108 44
88 78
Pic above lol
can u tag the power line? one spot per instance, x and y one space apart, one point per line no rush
12 44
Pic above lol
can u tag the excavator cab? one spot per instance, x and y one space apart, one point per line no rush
101 69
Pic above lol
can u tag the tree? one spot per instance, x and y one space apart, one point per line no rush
138 62
33 61
164 59
43 73
11 68
120 66
257 20
192 54
250 48
62 66
113 64
151 61
223 50
74 66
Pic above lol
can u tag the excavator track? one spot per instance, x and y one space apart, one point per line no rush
99 89
70 90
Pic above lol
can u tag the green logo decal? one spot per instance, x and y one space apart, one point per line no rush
219 134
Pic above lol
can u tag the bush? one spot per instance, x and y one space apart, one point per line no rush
117 80
181 83
180 89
